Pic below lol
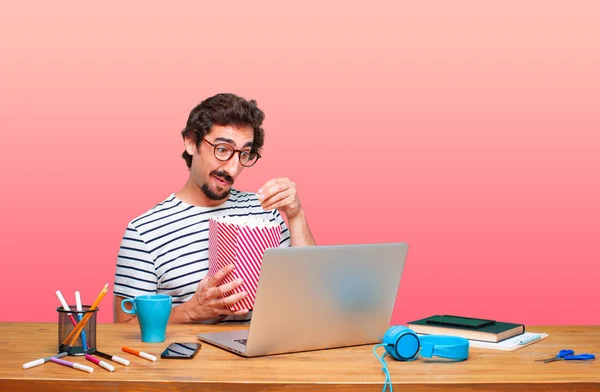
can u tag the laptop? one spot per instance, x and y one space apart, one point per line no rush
319 297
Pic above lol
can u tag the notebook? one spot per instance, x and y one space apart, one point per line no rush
511 344
319 297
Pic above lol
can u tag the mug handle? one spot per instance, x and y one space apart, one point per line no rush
128 311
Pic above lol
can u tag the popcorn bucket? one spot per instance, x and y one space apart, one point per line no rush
241 241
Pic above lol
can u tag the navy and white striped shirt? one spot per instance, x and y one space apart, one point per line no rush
165 250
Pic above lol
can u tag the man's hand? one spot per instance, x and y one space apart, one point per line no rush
280 194
207 302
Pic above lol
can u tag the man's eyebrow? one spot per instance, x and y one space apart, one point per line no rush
224 139
227 140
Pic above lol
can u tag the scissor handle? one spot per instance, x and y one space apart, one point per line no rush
565 353
581 357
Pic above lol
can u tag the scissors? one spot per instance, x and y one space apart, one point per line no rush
568 355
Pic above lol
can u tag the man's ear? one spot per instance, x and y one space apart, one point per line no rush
190 145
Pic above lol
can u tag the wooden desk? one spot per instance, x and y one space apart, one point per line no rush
346 369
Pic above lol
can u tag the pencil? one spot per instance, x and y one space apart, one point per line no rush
70 339
77 330
141 354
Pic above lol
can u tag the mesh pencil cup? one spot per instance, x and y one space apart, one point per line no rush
65 327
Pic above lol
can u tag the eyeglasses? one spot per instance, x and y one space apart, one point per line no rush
224 152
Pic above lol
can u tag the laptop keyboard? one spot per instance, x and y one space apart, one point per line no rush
241 341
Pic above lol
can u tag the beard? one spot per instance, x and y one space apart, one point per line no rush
212 195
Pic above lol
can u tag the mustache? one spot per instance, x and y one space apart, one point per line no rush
223 175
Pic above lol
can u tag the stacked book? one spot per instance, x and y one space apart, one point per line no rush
469 328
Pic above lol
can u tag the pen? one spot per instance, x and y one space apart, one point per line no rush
100 363
41 361
139 353
529 339
112 358
73 365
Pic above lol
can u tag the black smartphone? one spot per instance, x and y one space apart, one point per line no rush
181 350
457 321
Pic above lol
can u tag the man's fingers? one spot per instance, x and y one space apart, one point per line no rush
267 203
266 193
227 287
272 182
228 312
220 274
274 186
231 299
289 201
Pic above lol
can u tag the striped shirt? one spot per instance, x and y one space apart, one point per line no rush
165 250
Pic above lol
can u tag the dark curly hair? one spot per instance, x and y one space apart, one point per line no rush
223 109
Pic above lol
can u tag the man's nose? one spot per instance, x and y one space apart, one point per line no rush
233 165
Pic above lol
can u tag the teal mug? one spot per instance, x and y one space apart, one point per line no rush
153 312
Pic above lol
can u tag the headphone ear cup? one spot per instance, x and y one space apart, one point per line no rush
401 343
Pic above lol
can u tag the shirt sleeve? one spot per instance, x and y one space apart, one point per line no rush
135 274
285 232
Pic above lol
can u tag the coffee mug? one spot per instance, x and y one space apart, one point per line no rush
153 312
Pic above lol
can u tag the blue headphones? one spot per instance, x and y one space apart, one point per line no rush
403 344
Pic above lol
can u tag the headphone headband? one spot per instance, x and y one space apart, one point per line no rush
450 347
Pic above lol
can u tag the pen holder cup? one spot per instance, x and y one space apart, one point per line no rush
65 327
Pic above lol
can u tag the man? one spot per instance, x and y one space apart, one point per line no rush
165 250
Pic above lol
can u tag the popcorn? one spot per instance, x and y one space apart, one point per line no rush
250 221
241 240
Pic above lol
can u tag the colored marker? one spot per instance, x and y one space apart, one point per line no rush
74 334
100 363
73 365
79 316
41 361
65 306
112 358
141 354
529 339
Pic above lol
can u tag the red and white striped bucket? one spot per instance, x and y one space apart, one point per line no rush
241 241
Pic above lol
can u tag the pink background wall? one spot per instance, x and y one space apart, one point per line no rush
469 130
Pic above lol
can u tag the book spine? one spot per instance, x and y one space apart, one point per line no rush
475 335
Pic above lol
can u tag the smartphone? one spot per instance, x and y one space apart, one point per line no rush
457 321
181 350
